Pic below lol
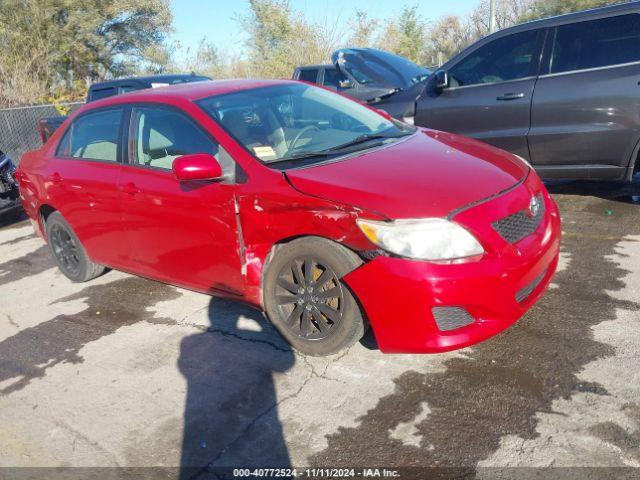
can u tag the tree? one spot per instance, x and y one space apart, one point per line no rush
507 14
279 39
448 36
77 41
405 35
363 29
550 8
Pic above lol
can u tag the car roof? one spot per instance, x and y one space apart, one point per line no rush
188 91
319 65
591 14
148 80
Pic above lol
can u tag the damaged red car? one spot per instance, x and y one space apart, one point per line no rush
328 215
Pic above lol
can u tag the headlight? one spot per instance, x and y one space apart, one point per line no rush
423 239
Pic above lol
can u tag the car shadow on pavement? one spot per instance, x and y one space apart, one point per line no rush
231 410
626 192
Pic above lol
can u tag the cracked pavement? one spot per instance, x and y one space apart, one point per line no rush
123 371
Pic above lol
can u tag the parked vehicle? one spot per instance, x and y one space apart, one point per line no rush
379 78
119 86
10 207
317 209
562 93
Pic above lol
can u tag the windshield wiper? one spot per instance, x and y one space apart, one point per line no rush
365 138
301 156
330 151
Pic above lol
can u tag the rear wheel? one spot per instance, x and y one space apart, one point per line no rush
307 301
68 252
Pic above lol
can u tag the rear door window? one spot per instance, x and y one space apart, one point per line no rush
597 43
507 58
334 78
93 136
308 75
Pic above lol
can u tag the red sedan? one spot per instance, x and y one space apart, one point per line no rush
326 214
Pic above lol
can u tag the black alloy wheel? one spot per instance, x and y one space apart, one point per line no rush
310 298
68 252
65 250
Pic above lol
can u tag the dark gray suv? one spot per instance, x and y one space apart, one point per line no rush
564 93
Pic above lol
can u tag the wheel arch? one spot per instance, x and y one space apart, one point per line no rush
287 240
634 162
44 212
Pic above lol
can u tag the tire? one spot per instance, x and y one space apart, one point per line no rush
68 252
334 321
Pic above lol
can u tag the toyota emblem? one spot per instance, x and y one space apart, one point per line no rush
534 206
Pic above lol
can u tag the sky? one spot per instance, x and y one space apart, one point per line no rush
215 19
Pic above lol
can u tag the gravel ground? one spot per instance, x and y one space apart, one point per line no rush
126 372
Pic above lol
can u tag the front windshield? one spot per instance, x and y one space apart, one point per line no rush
294 122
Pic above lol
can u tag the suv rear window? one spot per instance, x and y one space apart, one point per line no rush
597 43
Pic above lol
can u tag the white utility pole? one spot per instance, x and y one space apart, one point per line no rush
492 16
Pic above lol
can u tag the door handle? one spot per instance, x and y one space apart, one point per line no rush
56 177
131 188
510 96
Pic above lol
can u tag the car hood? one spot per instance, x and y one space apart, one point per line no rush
428 174
380 68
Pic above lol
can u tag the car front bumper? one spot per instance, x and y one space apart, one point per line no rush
398 295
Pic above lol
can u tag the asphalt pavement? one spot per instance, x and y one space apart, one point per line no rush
126 372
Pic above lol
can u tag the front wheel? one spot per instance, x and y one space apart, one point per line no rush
68 252
306 300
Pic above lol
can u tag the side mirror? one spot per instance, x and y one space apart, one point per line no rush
197 166
442 80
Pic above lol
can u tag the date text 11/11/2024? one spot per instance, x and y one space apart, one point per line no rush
315 473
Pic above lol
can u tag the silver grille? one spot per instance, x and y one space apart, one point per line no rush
450 318
523 294
521 224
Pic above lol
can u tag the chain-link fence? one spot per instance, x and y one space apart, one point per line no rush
19 127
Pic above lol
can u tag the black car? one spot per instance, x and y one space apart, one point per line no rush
124 85
379 78
110 88
10 206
